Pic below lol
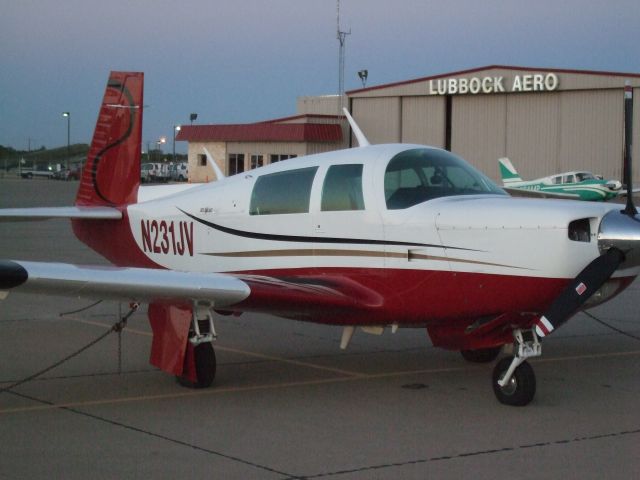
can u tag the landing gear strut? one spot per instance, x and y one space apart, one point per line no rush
200 348
514 382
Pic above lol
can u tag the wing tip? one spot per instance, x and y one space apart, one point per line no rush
12 275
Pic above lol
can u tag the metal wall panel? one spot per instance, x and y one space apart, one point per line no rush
591 126
478 131
378 118
423 120
532 134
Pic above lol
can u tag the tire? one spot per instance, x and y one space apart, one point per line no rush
481 355
521 388
205 360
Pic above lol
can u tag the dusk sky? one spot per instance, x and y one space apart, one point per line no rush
248 60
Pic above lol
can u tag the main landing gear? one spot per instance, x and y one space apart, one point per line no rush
200 348
514 382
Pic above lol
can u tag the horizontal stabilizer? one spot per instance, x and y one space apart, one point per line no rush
126 284
45 213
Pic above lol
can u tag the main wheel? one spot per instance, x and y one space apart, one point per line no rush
520 389
205 362
481 355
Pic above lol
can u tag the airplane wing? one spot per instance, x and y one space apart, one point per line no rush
45 213
623 191
128 284
522 192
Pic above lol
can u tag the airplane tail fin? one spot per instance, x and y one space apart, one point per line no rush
111 175
508 172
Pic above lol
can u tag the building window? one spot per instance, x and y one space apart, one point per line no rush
273 158
236 163
282 192
257 161
342 189
202 160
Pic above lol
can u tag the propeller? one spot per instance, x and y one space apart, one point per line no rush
579 291
618 240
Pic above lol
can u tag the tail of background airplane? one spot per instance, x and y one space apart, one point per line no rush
111 175
508 172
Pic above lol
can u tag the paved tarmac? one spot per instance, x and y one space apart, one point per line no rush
287 403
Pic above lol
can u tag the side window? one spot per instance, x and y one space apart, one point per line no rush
342 189
236 163
569 179
257 161
282 192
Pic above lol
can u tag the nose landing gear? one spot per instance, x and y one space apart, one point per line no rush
514 382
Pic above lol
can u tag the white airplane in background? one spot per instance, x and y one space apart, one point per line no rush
374 237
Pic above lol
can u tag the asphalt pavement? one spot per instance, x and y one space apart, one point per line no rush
287 402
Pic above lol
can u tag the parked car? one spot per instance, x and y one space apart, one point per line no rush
30 173
145 172
67 174
179 172
154 172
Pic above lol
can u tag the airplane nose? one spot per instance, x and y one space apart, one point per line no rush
614 185
621 231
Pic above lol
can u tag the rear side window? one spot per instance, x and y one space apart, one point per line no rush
342 189
282 192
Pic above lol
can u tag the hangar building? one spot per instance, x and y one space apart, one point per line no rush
240 147
545 120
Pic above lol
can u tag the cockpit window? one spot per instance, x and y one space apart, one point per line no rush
582 176
415 176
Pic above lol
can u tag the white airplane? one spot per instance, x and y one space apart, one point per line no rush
577 185
373 237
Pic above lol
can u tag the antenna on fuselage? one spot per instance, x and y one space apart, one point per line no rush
362 140
214 165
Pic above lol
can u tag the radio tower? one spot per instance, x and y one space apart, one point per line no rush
342 37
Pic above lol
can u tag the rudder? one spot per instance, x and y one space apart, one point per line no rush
508 172
111 175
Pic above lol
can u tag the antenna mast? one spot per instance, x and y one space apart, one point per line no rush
342 37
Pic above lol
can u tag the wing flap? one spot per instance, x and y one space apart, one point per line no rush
128 284
46 213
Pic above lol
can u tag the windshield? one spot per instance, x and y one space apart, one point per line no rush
582 176
415 176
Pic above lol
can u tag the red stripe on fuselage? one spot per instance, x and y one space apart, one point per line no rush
385 296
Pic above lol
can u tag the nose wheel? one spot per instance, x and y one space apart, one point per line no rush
514 382
519 389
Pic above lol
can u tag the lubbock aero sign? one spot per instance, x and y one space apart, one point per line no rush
537 82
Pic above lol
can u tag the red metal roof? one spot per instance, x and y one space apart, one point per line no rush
261 132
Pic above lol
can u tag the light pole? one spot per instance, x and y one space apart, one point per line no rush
68 115
176 128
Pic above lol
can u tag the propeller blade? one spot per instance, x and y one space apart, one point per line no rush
579 291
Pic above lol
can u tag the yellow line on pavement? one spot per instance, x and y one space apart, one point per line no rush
239 351
283 385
